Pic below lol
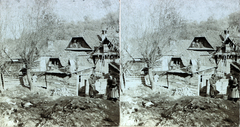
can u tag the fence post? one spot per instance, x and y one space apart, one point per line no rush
208 88
199 84
77 84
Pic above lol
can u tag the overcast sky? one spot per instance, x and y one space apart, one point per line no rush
13 12
75 10
134 12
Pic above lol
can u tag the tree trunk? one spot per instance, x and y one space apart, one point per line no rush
167 81
208 88
46 80
150 73
86 84
2 79
29 78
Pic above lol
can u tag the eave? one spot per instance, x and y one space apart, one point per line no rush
201 49
78 49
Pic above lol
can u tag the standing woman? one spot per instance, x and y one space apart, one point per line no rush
114 90
146 78
233 84
92 88
109 87
212 82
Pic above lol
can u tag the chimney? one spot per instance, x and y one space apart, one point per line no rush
226 32
104 34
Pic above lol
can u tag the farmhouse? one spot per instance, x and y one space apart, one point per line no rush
180 56
70 63
194 61
104 54
227 53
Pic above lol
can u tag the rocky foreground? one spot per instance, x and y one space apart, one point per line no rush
21 108
142 107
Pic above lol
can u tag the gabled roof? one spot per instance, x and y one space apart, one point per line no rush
91 38
200 44
228 41
64 60
212 37
215 38
179 71
115 65
236 65
78 44
106 41
179 49
111 48
175 48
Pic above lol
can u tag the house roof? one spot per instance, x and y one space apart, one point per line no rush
56 71
63 60
86 71
179 49
91 38
112 48
215 38
57 49
200 44
236 65
177 71
175 48
78 44
115 65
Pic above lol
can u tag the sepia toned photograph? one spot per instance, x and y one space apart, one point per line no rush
180 63
74 63
60 63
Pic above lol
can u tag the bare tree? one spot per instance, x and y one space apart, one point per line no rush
150 53
2 68
35 35
124 64
2 55
160 32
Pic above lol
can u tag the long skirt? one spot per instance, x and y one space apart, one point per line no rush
92 90
234 93
114 93
213 91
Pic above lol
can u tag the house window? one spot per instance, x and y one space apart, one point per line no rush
79 78
74 44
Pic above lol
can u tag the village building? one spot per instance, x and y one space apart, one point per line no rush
13 66
199 58
227 52
134 65
105 55
74 61
97 60
179 56
226 58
